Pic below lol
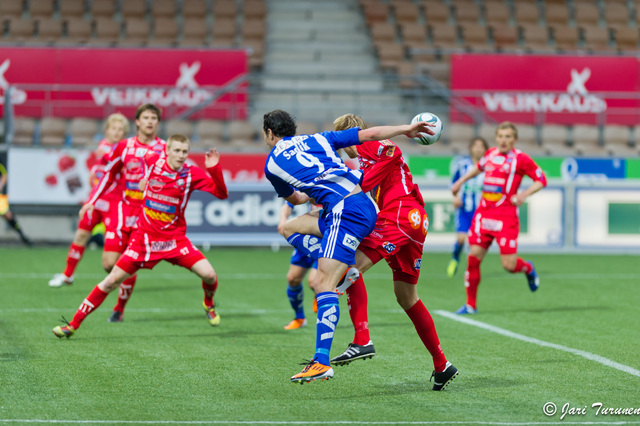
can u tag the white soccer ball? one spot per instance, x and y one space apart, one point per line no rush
424 138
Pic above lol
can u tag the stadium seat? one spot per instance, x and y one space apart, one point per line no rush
137 32
436 13
225 9
133 9
53 131
103 9
165 32
586 140
164 9
254 29
505 37
460 133
83 131
406 12
444 36
617 141
596 39
242 134
20 30
194 9
413 33
256 54
497 13
194 32
526 13
555 139
626 38
209 132
474 36
41 8
565 37
376 12
182 127
224 28
616 15
587 14
49 30
71 9
78 30
556 14
24 131
107 31
11 9
390 55
467 12
382 32
254 9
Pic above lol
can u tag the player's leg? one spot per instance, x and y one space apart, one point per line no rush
304 234
462 221
311 280
94 299
472 278
195 261
13 222
77 248
295 290
405 288
361 347
116 247
508 243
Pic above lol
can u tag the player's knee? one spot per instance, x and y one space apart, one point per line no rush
293 280
473 263
287 230
108 266
209 277
509 265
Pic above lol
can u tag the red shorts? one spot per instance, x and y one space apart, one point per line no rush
123 223
486 227
104 211
398 237
144 252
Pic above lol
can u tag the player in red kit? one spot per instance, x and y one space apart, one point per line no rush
398 237
127 160
161 231
116 127
497 215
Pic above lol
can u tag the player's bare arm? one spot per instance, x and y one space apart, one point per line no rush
84 209
520 197
298 198
385 132
455 188
285 212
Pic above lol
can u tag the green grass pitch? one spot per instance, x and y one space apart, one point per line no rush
165 364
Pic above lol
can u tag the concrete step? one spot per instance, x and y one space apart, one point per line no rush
318 46
365 83
312 35
324 5
364 67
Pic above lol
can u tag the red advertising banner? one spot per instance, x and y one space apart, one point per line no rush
94 82
553 89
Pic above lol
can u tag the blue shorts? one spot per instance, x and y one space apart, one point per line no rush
345 226
302 260
463 220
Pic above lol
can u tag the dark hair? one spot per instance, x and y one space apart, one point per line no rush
280 122
481 139
149 107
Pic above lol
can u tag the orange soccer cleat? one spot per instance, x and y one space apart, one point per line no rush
296 323
312 371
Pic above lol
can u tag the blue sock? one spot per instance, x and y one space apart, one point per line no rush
296 297
309 245
328 316
456 250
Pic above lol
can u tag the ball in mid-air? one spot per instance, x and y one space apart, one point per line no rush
424 138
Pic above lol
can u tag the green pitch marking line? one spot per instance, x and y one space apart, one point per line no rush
588 355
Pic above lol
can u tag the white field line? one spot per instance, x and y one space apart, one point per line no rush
588 355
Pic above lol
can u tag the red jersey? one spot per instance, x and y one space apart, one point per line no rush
385 173
130 158
113 192
503 174
167 194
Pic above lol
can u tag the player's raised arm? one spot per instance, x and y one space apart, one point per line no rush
385 132
455 188
212 163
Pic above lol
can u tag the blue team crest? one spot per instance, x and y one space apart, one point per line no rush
416 264
389 247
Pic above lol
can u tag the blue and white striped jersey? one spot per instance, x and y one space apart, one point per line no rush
471 190
311 164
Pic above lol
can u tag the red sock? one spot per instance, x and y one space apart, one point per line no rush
472 280
88 305
73 257
209 291
124 293
522 266
357 301
426 329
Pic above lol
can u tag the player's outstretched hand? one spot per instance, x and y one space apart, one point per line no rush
85 208
455 188
211 158
420 127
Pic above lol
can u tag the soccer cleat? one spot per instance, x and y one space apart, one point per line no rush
60 280
315 304
354 352
65 330
532 278
442 379
452 268
349 277
313 371
116 316
466 310
296 323
212 317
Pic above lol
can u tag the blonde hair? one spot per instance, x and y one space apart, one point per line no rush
349 121
508 125
117 117
177 138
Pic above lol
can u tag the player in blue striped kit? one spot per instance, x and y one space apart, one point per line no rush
467 199
306 167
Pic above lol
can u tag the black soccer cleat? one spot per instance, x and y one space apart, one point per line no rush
354 352
442 379
116 316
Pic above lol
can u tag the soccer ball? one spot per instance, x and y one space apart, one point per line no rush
424 138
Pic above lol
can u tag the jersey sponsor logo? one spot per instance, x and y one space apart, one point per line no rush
376 234
491 196
498 160
388 247
391 151
491 225
160 207
416 264
156 215
132 185
131 221
415 218
162 197
131 253
494 180
102 205
133 194
155 184
350 241
163 245
324 175
180 182
133 164
492 188
284 145
110 235
141 152
75 254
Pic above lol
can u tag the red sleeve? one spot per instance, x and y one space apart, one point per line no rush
110 172
213 183
384 154
531 169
